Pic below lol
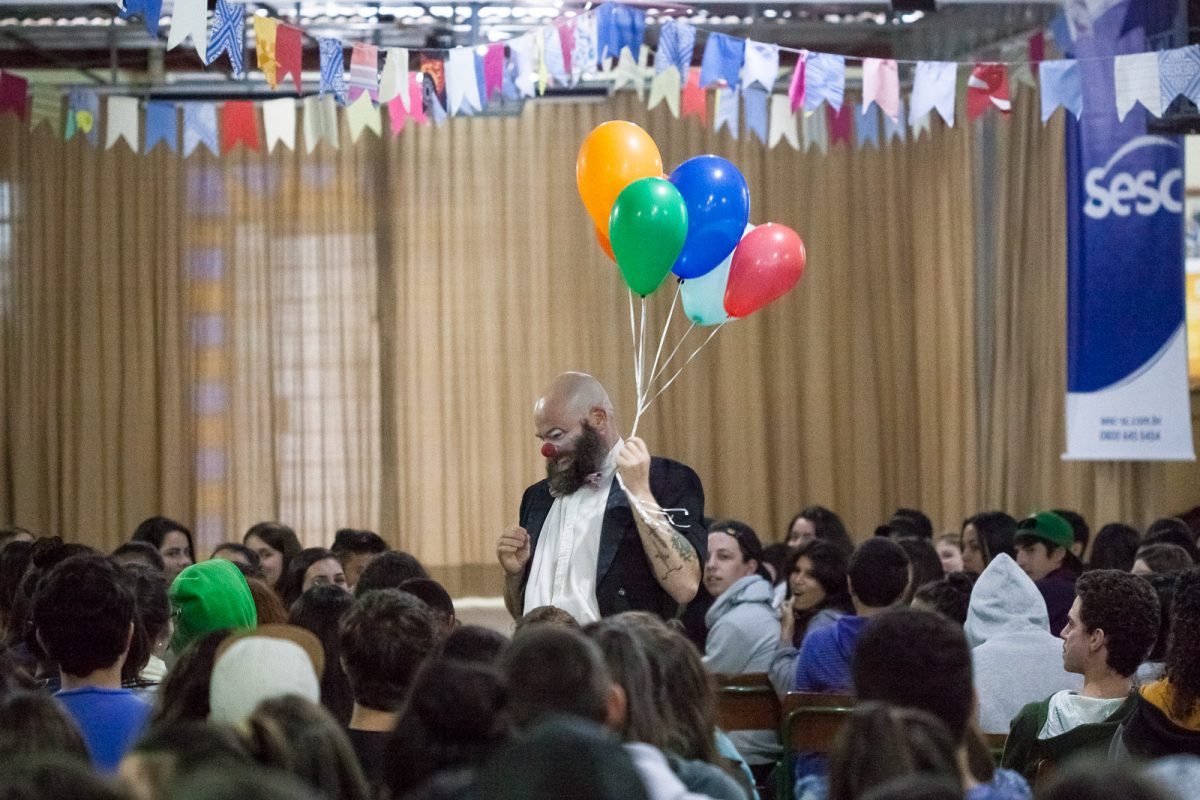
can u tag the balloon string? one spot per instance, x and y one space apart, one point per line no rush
637 375
678 344
640 366
689 360
661 341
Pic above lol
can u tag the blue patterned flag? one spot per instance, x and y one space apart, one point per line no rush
161 125
150 10
228 35
200 127
619 27
333 69
676 44
1179 74
727 110
1062 85
756 111
723 56
867 129
824 80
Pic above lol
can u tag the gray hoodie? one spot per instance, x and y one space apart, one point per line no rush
1016 659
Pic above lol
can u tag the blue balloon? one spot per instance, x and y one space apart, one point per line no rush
704 297
718 207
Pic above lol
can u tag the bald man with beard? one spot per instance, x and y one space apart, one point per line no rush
586 545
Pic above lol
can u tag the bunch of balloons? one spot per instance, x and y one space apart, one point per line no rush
693 223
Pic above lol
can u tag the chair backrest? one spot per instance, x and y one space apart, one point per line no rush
747 703
811 721
995 745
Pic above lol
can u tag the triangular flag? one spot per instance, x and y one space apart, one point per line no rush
866 120
288 53
150 10
394 82
228 36
630 72
539 62
265 29
881 85
1179 74
1020 70
840 123
552 57
493 70
755 99
676 45
815 132
83 115
761 66
521 52
824 80
364 71
462 87
619 28
566 40
1062 85
46 106
162 125
665 86
796 89
430 100
364 115
279 123
14 95
333 68
1037 51
933 87
320 122
238 125
695 99
434 66
726 111
200 127
122 122
416 98
480 79
988 88
189 18
783 122
723 56
583 47
894 128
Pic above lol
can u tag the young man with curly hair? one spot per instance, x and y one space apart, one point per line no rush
1110 628
1166 716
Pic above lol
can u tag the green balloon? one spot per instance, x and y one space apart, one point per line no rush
647 229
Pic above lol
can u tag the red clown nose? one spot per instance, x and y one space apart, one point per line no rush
549 450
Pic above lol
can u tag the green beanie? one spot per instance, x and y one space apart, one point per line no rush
1048 527
207 597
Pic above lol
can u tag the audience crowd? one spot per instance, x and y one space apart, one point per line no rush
1001 661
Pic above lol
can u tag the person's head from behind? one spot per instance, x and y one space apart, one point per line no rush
209 596
1043 541
775 558
169 753
276 545
33 723
878 575
1164 588
985 536
1115 547
917 659
454 719
83 614
817 576
907 523
268 607
385 637
949 596
474 643
1182 667
266 663
818 522
184 694
172 540
245 557
57 775
14 561
1172 530
152 629
629 666
552 670
1080 531
949 551
142 553
223 781
320 610
389 570
14 533
575 416
1167 559
296 735
546 615
435 596
881 742
1111 626
312 566
1092 778
926 566
734 552
356 549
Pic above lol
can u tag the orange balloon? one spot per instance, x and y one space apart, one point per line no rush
605 244
613 156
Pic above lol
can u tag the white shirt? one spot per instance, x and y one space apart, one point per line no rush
564 562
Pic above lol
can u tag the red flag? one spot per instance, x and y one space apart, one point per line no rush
14 95
287 53
841 123
695 99
988 88
493 70
238 125
1037 51
566 37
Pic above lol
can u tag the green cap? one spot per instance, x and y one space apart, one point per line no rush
1048 527
209 596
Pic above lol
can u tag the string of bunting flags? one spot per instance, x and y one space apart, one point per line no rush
737 77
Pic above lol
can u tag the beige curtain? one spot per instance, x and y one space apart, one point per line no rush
356 336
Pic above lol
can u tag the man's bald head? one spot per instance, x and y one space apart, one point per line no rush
572 398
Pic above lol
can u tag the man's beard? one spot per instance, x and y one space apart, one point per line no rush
586 458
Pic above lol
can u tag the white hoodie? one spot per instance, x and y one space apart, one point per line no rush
1016 659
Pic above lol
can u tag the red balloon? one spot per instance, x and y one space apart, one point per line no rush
766 265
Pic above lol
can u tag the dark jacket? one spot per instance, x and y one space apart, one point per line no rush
1024 751
1150 733
624 578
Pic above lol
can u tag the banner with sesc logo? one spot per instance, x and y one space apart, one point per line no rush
1127 384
